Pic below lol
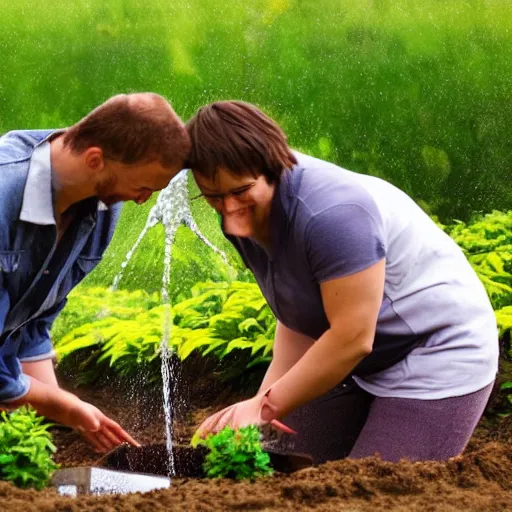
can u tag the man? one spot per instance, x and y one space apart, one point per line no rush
59 191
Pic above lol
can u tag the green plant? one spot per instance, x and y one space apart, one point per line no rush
235 454
26 449
94 303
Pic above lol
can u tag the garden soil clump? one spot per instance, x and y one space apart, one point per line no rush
477 480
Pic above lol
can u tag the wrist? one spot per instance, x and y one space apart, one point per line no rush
269 410
47 400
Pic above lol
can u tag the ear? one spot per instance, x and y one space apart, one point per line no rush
93 158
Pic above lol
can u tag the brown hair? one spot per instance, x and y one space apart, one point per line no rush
132 128
240 137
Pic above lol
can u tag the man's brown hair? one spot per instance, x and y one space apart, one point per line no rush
239 137
132 128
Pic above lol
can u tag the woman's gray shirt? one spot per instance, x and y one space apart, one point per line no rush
436 333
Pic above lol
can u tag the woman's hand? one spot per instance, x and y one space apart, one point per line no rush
258 411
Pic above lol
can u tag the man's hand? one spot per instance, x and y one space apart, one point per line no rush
101 431
65 408
256 411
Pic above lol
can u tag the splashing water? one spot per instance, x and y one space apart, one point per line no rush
172 209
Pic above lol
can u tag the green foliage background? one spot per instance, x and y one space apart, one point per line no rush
415 92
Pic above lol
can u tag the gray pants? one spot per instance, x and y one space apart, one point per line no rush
348 421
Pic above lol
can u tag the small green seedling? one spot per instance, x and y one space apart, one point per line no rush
26 449
235 454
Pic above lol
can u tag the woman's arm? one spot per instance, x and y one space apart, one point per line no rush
289 347
352 305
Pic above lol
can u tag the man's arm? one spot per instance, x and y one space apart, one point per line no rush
43 371
65 408
38 386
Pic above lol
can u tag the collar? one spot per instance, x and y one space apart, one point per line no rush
37 206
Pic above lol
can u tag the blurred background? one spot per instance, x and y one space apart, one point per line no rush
417 93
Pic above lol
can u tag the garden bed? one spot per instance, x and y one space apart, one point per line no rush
478 480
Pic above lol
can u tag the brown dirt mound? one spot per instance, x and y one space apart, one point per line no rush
480 480
474 482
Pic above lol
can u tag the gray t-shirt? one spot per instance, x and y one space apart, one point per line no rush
436 332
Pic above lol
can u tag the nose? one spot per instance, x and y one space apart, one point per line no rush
230 204
143 197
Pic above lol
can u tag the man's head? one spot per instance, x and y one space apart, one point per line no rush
133 145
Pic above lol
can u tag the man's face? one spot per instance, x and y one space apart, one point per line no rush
133 182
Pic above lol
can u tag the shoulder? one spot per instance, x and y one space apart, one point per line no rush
18 145
323 190
16 148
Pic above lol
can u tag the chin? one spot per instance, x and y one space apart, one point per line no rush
110 200
242 232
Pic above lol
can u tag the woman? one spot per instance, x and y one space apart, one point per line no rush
386 341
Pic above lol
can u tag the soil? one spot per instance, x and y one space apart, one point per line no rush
479 480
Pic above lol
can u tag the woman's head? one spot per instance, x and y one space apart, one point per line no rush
238 155
237 136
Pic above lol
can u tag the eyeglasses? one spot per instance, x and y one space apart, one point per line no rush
218 198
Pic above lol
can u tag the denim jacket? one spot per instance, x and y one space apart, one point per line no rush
32 291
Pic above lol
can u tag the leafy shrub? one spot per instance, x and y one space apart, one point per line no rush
85 306
236 454
487 243
219 319
26 449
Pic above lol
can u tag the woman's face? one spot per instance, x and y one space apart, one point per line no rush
243 201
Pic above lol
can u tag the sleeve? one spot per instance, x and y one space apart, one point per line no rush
344 239
31 343
35 342
13 384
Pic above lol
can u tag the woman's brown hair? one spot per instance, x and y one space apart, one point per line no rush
239 137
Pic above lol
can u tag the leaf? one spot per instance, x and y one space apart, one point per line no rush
239 343
26 448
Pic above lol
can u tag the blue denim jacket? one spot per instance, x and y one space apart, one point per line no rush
31 295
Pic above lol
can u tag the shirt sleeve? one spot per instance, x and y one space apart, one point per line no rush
31 343
344 239
13 384
35 342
